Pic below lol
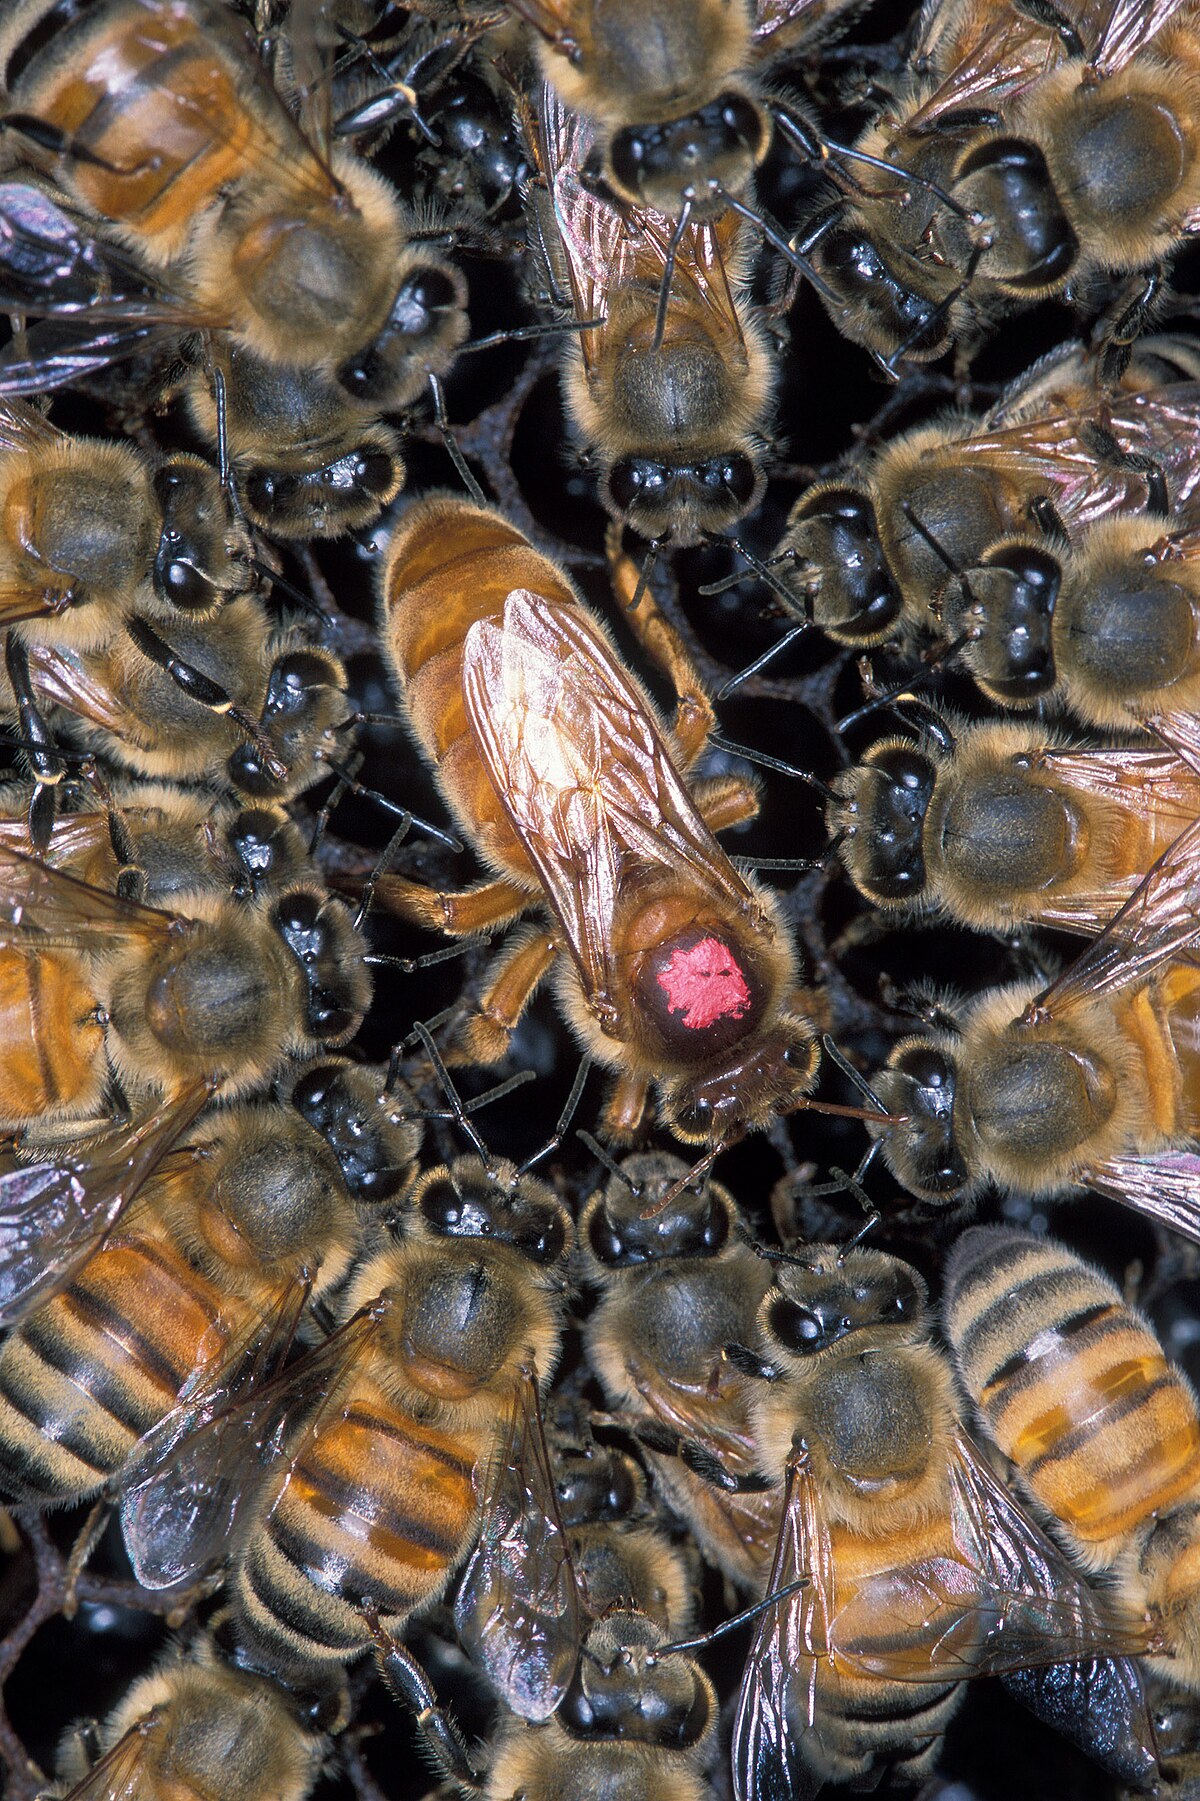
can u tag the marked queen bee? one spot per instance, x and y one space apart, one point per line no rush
672 967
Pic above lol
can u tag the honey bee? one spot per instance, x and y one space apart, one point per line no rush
922 1569
1008 825
1057 152
1087 1083
103 997
1102 1431
671 401
199 1289
679 1285
679 971
159 119
420 1414
855 557
1106 626
678 116
198 1725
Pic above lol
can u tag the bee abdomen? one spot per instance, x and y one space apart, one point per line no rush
96 1368
869 1726
375 1515
1075 1389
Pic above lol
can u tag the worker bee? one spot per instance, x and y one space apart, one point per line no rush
421 1414
199 1289
871 552
1106 626
1089 1082
921 1568
198 1725
678 1285
679 970
181 143
105 997
1007 825
1056 153
678 117
1101 1430
671 389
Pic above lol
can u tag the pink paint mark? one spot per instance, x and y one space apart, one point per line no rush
705 984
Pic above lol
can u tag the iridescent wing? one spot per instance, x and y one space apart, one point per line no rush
777 1703
517 1608
1125 27
574 753
41 906
55 1214
1165 1187
981 58
1099 1705
178 1524
119 1773
596 240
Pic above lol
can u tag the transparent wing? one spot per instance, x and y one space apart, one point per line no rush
1128 26
118 1775
768 1760
596 241
575 756
40 906
23 428
1165 1187
982 60
1099 1705
178 1524
54 1215
517 1609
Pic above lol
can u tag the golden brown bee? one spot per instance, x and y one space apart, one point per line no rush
196 1293
678 971
671 403
1084 167
197 1726
1101 1430
159 119
679 1284
103 996
870 553
1091 1082
1108 626
1006 825
420 1415
672 88
922 1569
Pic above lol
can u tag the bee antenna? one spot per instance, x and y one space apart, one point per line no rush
351 785
458 1110
649 561
564 1119
775 763
762 571
306 601
760 662
455 454
852 1075
610 1164
777 241
816 149
931 722
684 1646
699 1168
497 1093
525 334
936 546
664 291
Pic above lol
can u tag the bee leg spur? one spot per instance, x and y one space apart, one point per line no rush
724 801
625 1110
408 1684
459 914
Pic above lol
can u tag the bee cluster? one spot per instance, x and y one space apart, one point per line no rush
417 424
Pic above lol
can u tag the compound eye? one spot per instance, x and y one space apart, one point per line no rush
178 581
628 157
744 122
635 479
927 1067
374 473
735 474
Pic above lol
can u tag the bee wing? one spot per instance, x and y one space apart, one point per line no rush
178 1523
999 55
1181 733
1099 1705
1128 27
574 755
597 241
118 1775
41 906
784 24
53 259
1161 782
1165 1187
250 1359
767 1761
1056 454
58 352
701 274
1159 921
22 427
54 1215
517 1608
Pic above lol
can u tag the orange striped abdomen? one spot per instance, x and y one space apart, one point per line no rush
100 1364
448 566
378 1510
51 1043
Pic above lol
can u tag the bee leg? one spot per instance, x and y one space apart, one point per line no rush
487 1030
204 691
696 1457
694 716
625 1110
89 1537
459 914
408 1684
725 800
46 763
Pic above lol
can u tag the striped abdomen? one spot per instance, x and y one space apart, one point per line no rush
100 1364
378 1509
150 100
868 1724
1075 1389
450 565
